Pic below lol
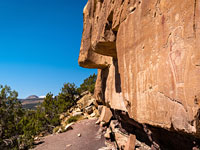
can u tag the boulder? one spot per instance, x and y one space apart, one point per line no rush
100 107
121 139
85 101
141 146
93 114
114 125
130 145
106 115
89 110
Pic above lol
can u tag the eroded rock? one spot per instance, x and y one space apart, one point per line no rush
106 115
130 145
148 60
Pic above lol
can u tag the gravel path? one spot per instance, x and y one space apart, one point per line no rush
91 138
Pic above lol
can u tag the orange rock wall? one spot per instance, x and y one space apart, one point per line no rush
148 56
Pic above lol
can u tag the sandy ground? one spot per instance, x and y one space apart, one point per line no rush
91 138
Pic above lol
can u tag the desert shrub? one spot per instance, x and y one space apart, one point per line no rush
73 119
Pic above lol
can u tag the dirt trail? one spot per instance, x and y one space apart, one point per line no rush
91 138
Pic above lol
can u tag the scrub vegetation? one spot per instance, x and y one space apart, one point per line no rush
19 126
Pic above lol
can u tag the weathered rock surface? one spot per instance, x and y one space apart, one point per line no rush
148 56
130 145
106 115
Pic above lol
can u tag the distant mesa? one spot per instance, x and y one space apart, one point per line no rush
32 101
32 97
42 96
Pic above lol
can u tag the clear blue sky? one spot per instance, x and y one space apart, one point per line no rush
39 45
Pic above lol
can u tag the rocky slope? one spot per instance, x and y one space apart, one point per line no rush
148 60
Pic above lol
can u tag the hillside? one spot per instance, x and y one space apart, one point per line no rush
31 102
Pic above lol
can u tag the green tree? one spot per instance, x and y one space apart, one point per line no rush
11 113
88 84
69 93
51 110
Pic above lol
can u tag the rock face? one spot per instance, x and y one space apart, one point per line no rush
148 58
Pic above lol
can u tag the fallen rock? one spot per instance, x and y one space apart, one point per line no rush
42 134
102 124
59 131
79 135
85 101
105 148
74 114
77 110
93 115
130 145
62 116
141 146
36 138
114 124
85 117
89 109
110 145
68 127
106 115
97 122
85 93
107 134
100 107
121 139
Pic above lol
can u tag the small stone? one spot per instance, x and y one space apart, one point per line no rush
89 109
68 127
79 135
97 122
113 124
102 123
85 117
36 138
93 115
62 116
68 145
105 148
59 130
77 114
107 134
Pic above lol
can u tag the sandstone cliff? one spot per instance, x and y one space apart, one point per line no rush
147 53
